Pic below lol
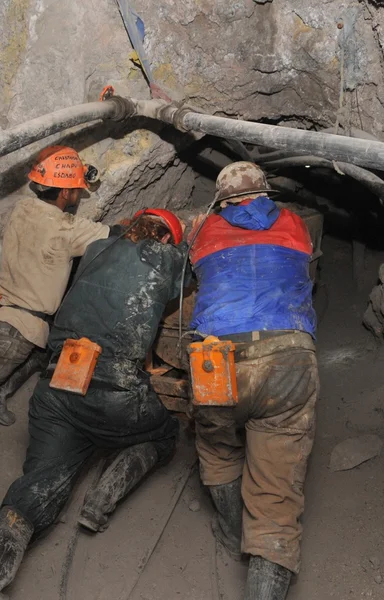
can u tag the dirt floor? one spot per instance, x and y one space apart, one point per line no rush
343 537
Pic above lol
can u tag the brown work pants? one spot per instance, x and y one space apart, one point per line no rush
267 439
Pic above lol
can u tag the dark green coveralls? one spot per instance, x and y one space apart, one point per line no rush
117 301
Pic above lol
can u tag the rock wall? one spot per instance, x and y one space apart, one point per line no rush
294 62
280 61
57 54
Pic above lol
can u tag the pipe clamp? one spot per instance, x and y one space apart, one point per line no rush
124 108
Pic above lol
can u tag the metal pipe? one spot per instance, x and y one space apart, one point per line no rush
115 108
263 157
355 133
366 153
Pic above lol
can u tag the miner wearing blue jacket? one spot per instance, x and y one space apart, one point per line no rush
252 259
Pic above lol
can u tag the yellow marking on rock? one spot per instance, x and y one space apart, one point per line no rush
165 73
300 27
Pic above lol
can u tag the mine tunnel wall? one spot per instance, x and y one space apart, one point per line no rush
279 62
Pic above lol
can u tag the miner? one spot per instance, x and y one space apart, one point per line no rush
41 239
252 259
116 302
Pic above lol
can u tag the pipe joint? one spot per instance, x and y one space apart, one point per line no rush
174 114
124 108
166 113
178 117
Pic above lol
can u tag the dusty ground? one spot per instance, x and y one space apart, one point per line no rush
343 540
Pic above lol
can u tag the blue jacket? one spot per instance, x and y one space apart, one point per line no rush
252 266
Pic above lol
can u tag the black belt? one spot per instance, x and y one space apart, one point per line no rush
95 383
255 336
35 313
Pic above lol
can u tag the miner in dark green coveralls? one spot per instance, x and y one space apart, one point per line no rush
117 300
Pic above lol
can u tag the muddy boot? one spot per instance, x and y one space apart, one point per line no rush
266 580
124 473
227 524
15 533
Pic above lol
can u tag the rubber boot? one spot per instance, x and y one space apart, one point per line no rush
15 534
266 580
124 473
227 524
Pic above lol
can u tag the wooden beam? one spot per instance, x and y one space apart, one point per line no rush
169 386
159 370
174 404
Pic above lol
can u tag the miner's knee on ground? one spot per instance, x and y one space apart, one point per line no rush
63 435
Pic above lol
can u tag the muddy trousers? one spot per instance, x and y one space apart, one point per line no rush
66 429
266 440
14 351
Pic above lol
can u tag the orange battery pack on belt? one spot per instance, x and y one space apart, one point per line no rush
75 367
213 372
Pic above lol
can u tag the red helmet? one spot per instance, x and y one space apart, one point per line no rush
169 218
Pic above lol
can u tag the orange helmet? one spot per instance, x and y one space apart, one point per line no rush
170 220
59 167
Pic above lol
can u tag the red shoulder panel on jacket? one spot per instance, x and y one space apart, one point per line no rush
289 231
